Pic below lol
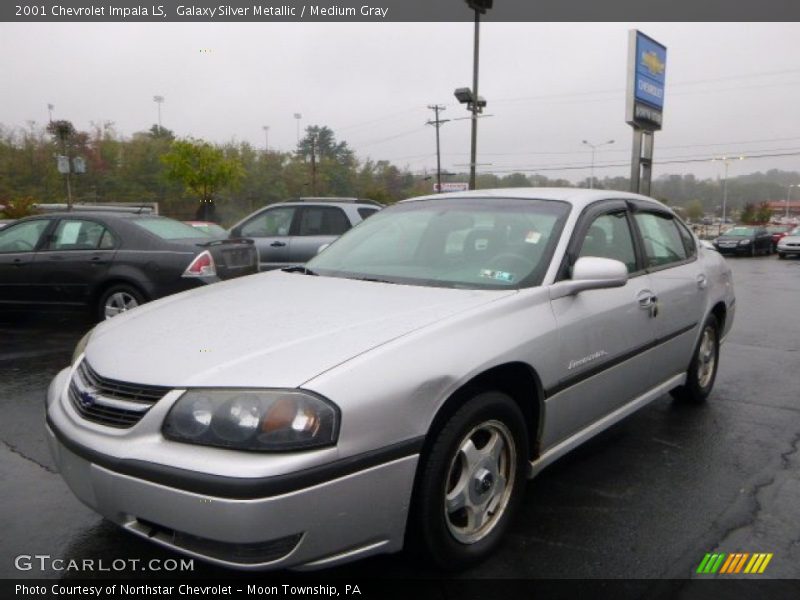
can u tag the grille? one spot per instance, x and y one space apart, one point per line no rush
110 402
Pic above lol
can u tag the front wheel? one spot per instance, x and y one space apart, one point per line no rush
470 482
781 256
703 369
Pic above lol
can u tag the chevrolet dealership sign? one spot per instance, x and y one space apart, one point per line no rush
647 66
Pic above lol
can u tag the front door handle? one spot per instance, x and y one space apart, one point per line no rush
702 281
277 244
648 301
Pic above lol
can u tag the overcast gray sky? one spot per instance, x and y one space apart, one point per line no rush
731 88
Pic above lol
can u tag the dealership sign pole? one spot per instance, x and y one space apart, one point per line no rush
644 108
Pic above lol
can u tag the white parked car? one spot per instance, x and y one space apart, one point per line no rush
399 388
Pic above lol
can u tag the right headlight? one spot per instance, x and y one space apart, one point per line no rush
261 420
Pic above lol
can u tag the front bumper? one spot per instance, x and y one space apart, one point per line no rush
344 518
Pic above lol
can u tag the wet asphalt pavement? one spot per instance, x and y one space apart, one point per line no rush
645 499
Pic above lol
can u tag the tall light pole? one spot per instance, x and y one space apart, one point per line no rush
726 160
50 108
266 137
594 147
480 7
297 117
159 101
788 197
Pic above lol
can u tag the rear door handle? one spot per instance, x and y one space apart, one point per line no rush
702 281
277 244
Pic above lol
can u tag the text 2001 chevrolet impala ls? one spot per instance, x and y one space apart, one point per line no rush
399 388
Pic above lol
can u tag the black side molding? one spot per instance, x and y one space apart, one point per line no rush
240 488
580 377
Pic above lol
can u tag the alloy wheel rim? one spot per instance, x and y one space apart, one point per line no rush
480 481
707 356
119 303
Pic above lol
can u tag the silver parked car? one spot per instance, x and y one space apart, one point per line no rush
292 232
789 244
399 388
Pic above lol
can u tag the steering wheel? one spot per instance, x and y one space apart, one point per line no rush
513 263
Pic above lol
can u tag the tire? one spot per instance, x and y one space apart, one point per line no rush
466 494
781 255
752 249
703 369
122 297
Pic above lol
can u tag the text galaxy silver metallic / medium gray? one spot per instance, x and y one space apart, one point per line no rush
398 389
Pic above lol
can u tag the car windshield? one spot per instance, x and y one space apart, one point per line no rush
475 243
777 228
168 229
741 231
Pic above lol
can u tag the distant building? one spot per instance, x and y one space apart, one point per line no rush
778 208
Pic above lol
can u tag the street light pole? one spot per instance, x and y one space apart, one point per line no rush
297 117
159 100
594 147
474 143
266 137
789 195
50 108
726 161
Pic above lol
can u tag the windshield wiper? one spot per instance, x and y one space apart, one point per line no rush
372 279
299 269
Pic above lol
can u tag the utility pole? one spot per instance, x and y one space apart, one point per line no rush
437 122
266 137
50 108
313 165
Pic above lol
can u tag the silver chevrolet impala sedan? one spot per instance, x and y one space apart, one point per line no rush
397 390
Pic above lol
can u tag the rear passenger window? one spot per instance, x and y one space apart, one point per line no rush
609 236
366 212
74 234
688 239
663 243
323 220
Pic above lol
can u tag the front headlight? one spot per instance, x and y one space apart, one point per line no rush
744 242
266 420
80 347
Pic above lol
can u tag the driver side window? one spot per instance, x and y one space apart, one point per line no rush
22 237
609 236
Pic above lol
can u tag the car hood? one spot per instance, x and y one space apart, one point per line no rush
790 239
270 330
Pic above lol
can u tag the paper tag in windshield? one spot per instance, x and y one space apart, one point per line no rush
532 237
498 275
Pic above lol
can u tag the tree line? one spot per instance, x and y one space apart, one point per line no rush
195 179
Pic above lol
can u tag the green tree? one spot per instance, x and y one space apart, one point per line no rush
748 215
694 210
203 170
763 213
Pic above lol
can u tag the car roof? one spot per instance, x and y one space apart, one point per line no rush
96 213
578 197
331 200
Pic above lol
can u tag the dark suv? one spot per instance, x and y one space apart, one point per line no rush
292 232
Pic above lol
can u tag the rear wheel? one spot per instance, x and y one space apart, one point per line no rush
703 368
470 482
118 299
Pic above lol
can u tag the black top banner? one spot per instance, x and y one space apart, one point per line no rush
371 11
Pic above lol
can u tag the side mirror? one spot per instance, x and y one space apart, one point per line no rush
591 273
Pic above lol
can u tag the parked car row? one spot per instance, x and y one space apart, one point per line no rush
750 240
110 262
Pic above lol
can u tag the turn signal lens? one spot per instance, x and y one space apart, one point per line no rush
201 266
